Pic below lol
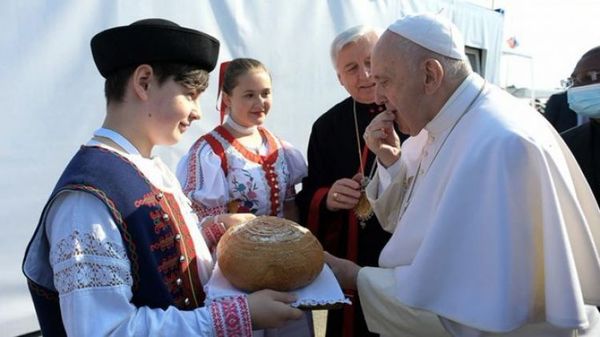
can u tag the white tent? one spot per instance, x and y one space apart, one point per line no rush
51 95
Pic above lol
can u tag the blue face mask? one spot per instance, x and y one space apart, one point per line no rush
585 100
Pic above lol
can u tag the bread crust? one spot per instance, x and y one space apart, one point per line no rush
269 253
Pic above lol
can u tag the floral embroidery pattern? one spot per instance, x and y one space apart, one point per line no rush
212 232
244 193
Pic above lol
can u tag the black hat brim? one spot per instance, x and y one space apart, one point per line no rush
132 45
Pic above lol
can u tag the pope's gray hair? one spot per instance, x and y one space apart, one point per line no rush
414 54
350 35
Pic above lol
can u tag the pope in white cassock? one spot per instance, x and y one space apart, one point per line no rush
495 229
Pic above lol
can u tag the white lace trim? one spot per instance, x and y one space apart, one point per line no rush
90 275
78 245
85 261
317 303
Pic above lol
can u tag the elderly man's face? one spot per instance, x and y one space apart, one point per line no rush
396 86
354 67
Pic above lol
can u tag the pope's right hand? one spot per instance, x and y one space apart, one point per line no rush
271 309
382 139
345 271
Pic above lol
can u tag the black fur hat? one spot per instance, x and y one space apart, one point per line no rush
153 40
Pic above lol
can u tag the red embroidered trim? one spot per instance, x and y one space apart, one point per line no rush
272 145
159 224
193 160
165 242
212 233
217 149
231 317
191 168
168 265
148 199
267 162
203 212
188 269
192 173
178 268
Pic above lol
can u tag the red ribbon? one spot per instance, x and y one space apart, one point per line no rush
222 106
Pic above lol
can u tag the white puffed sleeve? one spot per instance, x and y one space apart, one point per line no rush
203 180
296 163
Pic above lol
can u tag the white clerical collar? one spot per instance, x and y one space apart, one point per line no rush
456 105
118 139
244 130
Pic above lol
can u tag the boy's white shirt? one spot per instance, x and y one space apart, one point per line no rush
78 219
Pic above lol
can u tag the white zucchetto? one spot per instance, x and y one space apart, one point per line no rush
432 32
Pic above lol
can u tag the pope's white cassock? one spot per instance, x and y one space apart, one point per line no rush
495 230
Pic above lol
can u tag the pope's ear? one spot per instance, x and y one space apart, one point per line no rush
140 79
434 74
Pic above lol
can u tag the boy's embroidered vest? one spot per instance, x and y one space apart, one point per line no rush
158 243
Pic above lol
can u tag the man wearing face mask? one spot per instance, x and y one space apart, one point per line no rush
584 98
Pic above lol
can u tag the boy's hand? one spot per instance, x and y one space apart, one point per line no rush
271 309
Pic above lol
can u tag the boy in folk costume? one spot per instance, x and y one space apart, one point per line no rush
118 250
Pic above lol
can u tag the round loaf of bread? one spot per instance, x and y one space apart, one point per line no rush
269 253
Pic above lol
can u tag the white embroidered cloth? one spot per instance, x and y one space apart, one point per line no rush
323 291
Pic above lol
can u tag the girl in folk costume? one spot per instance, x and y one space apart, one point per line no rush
240 166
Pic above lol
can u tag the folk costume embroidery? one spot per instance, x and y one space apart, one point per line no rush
248 182
142 250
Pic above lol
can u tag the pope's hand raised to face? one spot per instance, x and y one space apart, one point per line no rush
382 139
